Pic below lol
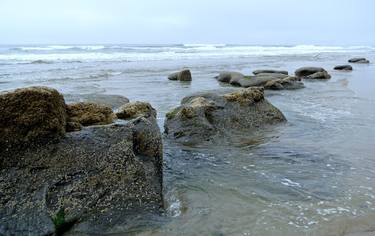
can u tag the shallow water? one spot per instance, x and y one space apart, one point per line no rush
311 176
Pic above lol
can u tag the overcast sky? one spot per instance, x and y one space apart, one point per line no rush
276 22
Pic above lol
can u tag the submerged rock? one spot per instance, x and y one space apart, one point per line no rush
359 60
184 75
87 182
256 72
203 117
29 114
135 109
89 114
312 73
266 80
343 67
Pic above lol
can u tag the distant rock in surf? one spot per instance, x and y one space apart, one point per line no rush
184 75
229 77
270 71
359 60
312 73
41 62
203 117
272 81
343 67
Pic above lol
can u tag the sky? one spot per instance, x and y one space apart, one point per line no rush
261 22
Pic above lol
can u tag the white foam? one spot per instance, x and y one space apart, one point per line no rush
172 52
290 183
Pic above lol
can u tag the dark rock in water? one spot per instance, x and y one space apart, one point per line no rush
229 76
359 60
260 79
113 101
270 71
30 114
267 80
203 117
40 62
289 82
343 67
89 114
312 73
184 75
305 71
319 75
87 182
135 109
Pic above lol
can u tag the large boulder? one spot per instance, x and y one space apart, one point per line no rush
256 72
359 60
88 182
343 67
88 114
184 75
203 117
31 114
312 73
135 109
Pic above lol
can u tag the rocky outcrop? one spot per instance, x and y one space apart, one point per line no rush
204 117
256 72
86 182
266 80
343 67
135 109
28 114
184 75
312 73
359 60
88 114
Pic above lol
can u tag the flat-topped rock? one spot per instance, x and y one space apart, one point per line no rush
184 75
343 67
205 117
256 72
31 114
359 60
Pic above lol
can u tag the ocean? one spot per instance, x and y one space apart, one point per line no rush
311 176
